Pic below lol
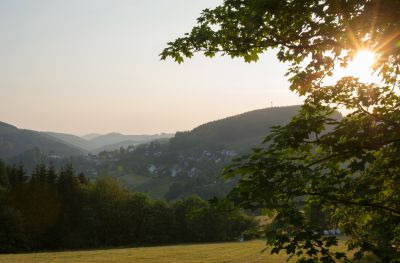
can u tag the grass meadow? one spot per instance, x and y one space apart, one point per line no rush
236 252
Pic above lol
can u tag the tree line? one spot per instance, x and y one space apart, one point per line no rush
52 209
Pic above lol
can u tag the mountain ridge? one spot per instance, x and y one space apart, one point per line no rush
15 141
110 141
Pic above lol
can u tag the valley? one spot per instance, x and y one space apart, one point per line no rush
164 166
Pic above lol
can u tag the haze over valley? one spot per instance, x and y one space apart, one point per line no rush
167 166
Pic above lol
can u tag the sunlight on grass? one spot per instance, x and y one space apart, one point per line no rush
236 252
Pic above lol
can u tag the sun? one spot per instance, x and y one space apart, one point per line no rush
361 66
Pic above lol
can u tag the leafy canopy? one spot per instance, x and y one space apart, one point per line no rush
350 168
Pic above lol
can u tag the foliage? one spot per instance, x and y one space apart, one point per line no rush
352 170
60 210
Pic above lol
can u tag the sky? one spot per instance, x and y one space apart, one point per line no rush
82 66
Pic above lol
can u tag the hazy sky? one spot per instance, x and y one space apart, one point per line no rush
81 66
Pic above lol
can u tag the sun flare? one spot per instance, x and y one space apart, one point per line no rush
361 66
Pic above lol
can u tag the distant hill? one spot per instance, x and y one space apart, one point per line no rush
90 136
240 132
14 141
107 139
188 163
191 161
70 139
127 144
107 142
113 141
115 146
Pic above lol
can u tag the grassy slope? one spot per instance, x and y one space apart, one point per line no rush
133 180
212 253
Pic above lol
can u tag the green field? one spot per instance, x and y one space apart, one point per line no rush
221 252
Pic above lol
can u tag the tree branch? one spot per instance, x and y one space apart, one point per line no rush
349 202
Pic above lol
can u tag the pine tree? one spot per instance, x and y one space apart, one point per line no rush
4 179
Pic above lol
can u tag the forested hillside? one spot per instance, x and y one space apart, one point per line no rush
71 139
239 133
192 161
14 141
189 163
